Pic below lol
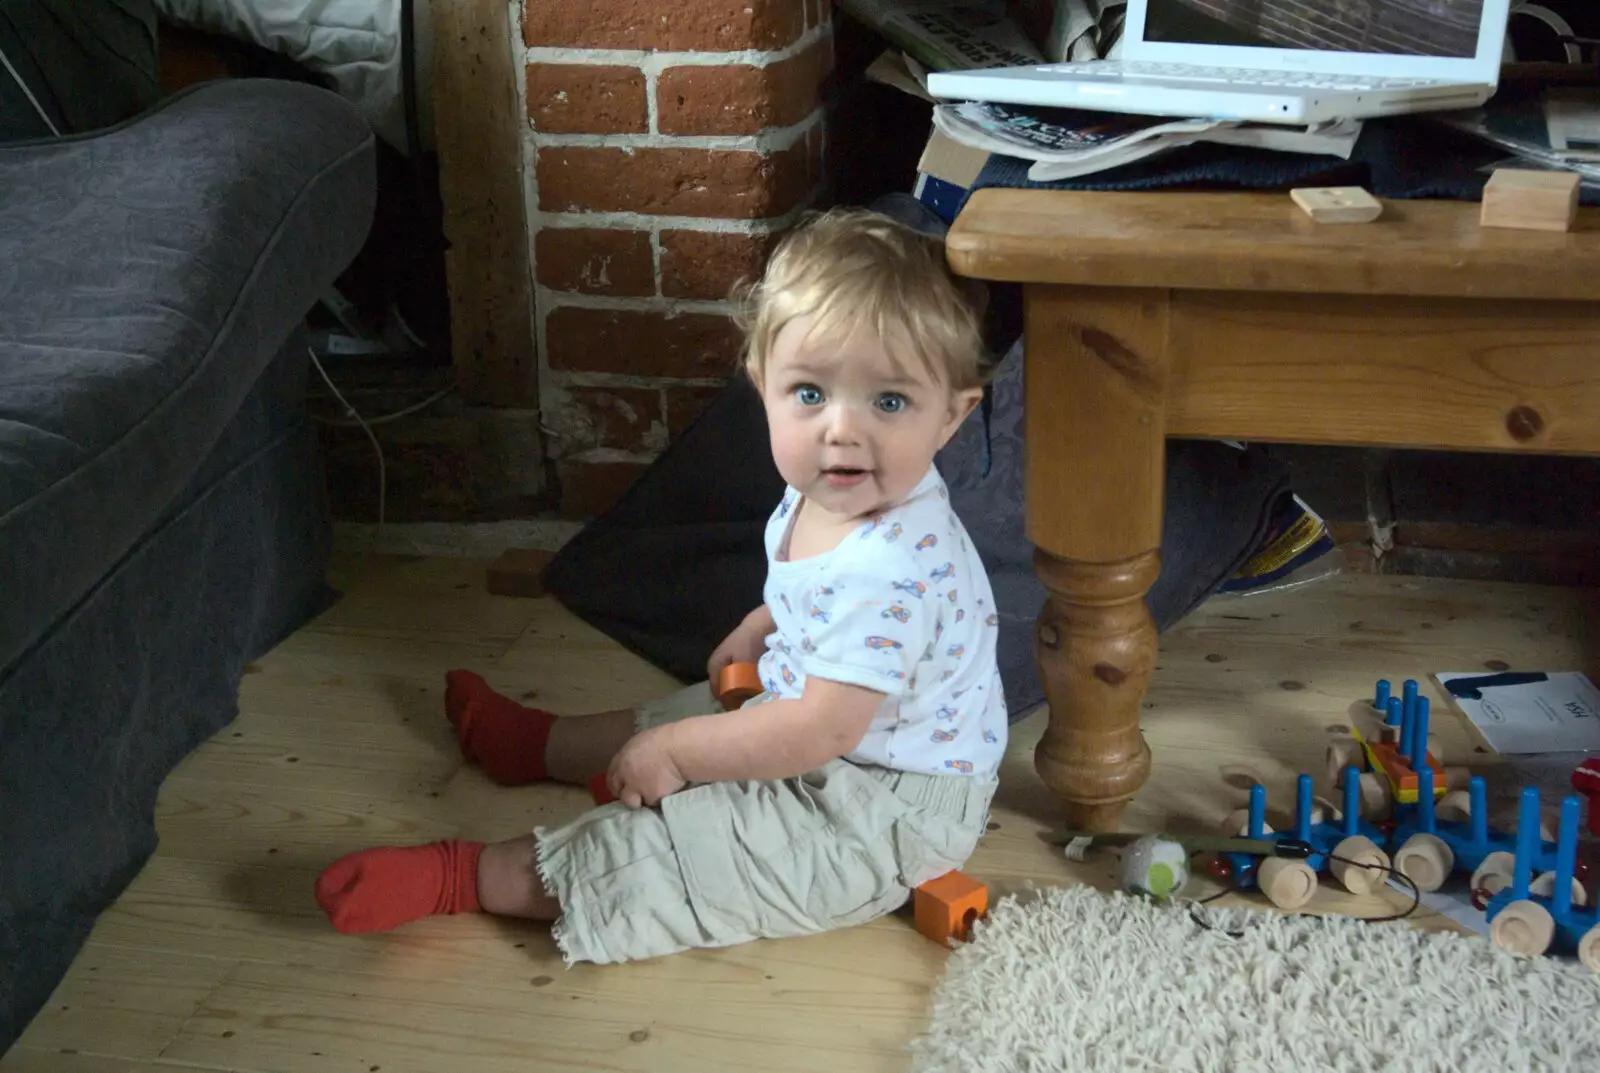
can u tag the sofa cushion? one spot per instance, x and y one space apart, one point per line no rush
147 275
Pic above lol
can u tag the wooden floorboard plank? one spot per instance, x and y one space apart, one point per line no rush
125 1002
26 1059
639 1018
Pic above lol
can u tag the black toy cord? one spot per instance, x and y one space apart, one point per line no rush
1234 888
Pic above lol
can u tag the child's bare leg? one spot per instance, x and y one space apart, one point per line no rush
580 747
383 888
509 884
515 744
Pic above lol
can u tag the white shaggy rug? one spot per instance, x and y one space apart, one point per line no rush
1072 980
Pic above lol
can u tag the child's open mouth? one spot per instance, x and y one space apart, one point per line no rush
845 476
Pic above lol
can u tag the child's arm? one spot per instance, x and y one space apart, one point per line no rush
777 740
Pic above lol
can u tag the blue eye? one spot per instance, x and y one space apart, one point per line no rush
891 403
809 395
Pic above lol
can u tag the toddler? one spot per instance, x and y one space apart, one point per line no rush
868 765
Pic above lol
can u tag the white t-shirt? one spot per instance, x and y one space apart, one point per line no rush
902 606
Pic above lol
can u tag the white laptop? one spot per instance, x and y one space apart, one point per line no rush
1270 61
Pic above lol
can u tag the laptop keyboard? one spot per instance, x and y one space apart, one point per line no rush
1188 72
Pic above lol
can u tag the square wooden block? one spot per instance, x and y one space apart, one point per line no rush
1530 200
519 572
1337 204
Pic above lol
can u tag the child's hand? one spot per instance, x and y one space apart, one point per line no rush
643 771
746 644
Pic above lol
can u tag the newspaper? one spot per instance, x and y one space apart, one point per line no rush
1067 143
1083 29
949 35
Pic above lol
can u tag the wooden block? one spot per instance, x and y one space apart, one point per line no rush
519 572
1530 200
737 683
1337 204
946 908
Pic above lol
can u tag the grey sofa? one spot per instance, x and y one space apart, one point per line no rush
162 519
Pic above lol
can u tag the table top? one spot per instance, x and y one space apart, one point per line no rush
1263 242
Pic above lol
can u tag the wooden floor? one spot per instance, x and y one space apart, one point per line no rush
217 958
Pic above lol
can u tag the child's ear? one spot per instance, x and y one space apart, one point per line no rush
962 403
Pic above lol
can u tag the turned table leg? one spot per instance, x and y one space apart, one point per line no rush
1096 456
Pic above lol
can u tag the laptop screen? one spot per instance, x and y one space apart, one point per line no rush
1374 27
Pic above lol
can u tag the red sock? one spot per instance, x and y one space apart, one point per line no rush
500 735
383 888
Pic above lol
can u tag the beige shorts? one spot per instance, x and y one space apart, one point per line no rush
725 863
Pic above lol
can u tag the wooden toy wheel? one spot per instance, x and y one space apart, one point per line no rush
1425 860
1287 884
1343 753
1495 872
1237 825
1544 885
1325 811
1358 864
1454 807
1376 801
1523 928
1589 949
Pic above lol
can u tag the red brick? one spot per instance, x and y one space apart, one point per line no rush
703 25
742 99
596 260
689 346
619 417
706 264
684 404
591 488
733 184
571 98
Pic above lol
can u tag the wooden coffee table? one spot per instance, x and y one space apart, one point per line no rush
1232 316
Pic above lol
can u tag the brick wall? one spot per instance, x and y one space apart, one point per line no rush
668 143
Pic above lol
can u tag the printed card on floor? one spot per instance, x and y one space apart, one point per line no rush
1520 712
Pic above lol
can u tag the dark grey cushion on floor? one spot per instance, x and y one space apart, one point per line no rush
147 274
143 669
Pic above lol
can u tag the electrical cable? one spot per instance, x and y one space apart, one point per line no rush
383 476
26 92
373 422
1234 888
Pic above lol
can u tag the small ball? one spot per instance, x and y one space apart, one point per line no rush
1155 866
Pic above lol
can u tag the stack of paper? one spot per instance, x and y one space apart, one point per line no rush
1065 143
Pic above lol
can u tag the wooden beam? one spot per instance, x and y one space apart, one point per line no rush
1447 374
478 125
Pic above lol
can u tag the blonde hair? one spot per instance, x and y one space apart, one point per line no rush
851 269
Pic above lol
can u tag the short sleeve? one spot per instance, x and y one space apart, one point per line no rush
870 625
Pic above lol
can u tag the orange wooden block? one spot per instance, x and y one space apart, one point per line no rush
1404 780
519 572
737 683
947 907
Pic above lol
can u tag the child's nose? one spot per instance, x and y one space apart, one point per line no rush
844 425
